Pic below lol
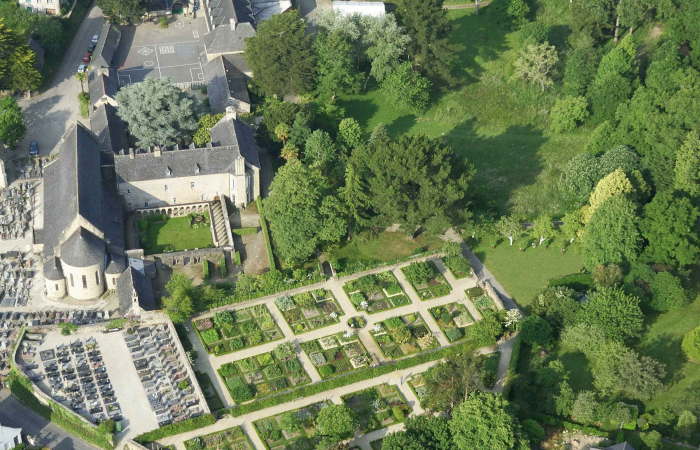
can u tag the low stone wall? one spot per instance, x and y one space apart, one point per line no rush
189 257
494 295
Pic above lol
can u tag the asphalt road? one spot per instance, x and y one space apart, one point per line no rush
13 414
49 114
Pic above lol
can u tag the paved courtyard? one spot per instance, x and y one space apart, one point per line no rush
147 50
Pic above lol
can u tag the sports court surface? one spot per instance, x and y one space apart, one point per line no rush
147 50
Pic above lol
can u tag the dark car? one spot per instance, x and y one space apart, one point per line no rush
33 148
86 58
91 48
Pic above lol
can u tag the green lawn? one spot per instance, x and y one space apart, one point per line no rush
523 274
176 232
500 126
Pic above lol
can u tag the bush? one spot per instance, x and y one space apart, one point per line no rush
292 366
357 298
210 336
445 317
176 428
509 13
236 344
326 370
398 413
406 89
237 257
419 272
227 370
568 112
459 265
266 232
244 231
143 225
272 371
223 267
667 293
279 383
205 268
163 21
454 334
184 384
691 345
107 426
240 392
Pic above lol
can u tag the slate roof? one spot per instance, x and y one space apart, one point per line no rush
38 52
106 46
231 131
116 265
264 9
109 129
83 249
132 280
100 85
225 83
223 38
52 270
231 139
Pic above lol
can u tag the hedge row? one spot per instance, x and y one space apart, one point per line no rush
354 377
343 270
237 257
244 231
176 428
224 272
205 269
266 233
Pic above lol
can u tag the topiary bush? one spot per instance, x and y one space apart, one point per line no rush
398 413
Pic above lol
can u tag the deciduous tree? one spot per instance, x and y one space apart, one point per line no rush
336 421
579 177
536 64
337 69
618 370
615 312
122 12
670 226
12 126
179 305
406 89
687 168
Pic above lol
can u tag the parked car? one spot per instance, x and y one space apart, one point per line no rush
91 47
86 57
95 38
33 148
82 68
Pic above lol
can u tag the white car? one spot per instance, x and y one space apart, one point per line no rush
95 38
82 68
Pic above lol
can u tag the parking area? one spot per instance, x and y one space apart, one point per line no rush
148 50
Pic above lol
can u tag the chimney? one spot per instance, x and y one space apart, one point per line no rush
156 151
231 113
131 153
232 21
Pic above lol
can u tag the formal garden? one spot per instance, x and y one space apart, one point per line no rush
376 292
480 299
162 234
309 310
404 335
264 374
426 280
336 354
377 407
290 430
452 319
458 265
233 330
418 386
229 439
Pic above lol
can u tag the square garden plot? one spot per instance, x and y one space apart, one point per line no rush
292 430
480 299
336 354
233 330
452 319
229 439
458 265
404 335
376 292
418 386
377 407
426 280
310 310
264 374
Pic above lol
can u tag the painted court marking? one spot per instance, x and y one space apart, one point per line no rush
166 49
195 34
148 63
124 79
179 24
198 72
145 51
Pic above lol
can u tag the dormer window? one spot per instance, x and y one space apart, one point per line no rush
169 171
196 168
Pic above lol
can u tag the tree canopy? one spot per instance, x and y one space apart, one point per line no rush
615 312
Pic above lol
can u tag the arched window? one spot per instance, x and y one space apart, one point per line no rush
84 282
97 277
71 281
56 287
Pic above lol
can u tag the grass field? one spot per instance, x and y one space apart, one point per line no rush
523 274
176 232
499 125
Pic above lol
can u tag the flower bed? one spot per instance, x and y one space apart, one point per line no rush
377 407
290 430
404 335
426 280
452 319
336 354
230 331
264 374
228 439
481 301
310 310
376 292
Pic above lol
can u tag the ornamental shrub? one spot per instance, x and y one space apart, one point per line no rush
568 112
691 345
224 273
292 366
326 370
419 272
284 350
317 359
272 371
255 338
393 323
459 265
205 268
398 413
454 334
357 298
279 383
228 369
236 344
240 392
247 365
445 317
210 336
265 359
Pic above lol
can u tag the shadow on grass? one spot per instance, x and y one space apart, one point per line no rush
359 109
666 349
401 125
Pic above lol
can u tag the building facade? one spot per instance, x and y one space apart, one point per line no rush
52 7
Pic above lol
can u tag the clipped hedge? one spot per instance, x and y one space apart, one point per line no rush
244 231
237 257
224 272
205 269
356 376
345 269
176 428
266 233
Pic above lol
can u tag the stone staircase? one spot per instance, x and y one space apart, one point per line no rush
219 220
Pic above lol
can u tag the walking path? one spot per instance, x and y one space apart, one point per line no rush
210 363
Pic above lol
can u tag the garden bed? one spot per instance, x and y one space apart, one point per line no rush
404 335
452 319
377 407
336 354
376 292
234 330
480 299
290 430
426 280
262 375
310 310
229 439
458 266
418 386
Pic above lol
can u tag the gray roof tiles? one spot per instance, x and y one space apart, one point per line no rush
83 249
52 270
100 85
110 129
133 280
225 82
224 38
234 132
106 46
116 265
